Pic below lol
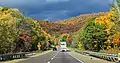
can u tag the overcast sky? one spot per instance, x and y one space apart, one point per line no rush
57 9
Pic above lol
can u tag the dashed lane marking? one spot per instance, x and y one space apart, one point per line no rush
76 58
55 55
51 58
48 62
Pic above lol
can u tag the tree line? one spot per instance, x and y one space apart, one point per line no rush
19 33
99 33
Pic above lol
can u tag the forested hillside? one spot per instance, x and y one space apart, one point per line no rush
100 33
81 18
69 25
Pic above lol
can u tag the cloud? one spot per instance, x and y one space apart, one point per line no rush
54 1
21 3
51 15
57 9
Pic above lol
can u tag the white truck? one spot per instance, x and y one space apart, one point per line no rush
63 46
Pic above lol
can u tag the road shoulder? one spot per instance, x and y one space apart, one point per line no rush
87 59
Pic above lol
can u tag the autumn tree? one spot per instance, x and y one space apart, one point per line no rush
93 36
14 26
8 31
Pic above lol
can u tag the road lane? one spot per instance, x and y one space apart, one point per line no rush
64 57
52 57
40 59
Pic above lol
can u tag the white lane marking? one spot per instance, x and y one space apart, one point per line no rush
65 58
51 58
55 55
48 62
76 58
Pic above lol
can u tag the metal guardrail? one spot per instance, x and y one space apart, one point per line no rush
5 57
100 55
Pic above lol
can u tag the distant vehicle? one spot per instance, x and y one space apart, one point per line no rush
63 47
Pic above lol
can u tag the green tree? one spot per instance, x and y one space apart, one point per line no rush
64 38
93 36
114 17
35 31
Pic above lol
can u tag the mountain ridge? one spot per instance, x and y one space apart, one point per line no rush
69 25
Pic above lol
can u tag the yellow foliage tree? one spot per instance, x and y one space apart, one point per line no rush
105 20
8 30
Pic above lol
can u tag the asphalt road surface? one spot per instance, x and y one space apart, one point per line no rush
53 57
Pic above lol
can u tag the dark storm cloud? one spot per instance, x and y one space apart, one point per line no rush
57 9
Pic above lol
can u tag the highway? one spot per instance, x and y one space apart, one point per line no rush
53 57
